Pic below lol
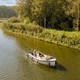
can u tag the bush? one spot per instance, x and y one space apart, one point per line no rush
26 21
19 26
34 28
8 25
13 20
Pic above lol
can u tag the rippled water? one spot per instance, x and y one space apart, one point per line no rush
15 66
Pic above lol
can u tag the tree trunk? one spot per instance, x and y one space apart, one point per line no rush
44 22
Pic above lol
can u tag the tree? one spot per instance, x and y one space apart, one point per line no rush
24 8
74 11
57 14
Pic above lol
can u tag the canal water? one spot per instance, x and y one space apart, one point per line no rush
15 66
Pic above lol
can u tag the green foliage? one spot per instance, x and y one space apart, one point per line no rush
34 28
70 39
56 14
7 25
73 10
7 11
24 8
13 20
29 27
66 38
26 20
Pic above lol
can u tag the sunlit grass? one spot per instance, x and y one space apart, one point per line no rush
65 38
3 19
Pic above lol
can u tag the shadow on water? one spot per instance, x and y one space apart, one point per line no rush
60 67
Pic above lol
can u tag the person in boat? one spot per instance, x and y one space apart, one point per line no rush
41 55
34 52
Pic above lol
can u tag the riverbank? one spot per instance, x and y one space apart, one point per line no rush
64 38
3 19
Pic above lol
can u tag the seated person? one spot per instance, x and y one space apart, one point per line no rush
34 53
41 55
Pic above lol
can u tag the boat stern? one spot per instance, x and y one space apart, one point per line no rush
53 62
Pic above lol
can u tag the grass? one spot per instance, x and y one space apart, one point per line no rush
65 38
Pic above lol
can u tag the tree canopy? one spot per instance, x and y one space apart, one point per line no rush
56 14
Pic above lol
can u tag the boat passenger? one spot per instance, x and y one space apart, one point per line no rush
34 52
41 55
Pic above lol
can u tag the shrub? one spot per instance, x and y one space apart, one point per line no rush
13 20
26 21
20 26
34 28
8 25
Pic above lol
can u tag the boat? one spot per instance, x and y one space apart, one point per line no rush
42 58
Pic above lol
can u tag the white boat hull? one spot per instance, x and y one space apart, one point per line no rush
50 62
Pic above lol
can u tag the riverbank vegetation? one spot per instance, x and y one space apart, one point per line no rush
65 38
55 21
55 14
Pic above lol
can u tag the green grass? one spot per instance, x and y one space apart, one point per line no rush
65 38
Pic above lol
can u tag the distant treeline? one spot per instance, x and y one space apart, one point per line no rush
7 11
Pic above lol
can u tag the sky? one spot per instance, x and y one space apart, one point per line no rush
8 2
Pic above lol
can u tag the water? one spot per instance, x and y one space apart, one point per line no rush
15 66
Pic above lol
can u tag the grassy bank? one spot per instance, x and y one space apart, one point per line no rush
3 19
65 38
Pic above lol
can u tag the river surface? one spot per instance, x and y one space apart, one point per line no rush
15 66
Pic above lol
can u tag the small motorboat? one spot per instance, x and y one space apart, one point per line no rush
42 58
